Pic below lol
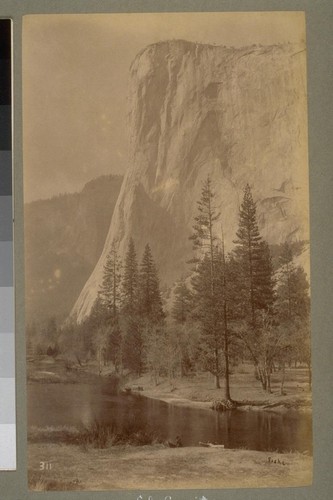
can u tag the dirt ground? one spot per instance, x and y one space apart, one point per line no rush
69 467
199 390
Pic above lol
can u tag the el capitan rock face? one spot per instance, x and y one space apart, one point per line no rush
238 115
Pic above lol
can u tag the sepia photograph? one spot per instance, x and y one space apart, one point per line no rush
167 251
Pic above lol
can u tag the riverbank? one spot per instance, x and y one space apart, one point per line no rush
195 391
100 457
198 391
49 370
157 467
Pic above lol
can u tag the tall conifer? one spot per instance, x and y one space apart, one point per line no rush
151 314
205 280
133 345
150 301
255 271
110 296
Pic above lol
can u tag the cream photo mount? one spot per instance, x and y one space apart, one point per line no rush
319 76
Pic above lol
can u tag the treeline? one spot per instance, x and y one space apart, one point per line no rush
228 307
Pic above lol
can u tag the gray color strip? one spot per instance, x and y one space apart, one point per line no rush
7 403
6 310
5 173
6 218
6 127
7 355
5 79
6 263
8 447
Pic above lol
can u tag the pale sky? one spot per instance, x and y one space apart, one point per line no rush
75 80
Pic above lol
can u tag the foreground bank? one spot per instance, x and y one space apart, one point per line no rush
158 467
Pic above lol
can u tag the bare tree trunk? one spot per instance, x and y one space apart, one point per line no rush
99 361
226 356
268 376
155 377
217 369
283 377
262 378
268 371
309 375
226 333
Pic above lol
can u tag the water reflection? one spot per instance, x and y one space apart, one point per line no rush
82 403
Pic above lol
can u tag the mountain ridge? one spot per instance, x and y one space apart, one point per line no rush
64 236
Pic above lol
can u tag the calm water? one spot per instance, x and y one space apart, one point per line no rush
74 404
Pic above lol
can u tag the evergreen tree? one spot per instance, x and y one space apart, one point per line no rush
130 281
110 288
225 293
183 303
110 297
151 313
293 307
293 287
253 291
181 313
150 300
205 282
50 337
204 236
133 344
255 270
265 281
207 311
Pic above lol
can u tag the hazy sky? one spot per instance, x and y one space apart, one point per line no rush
75 78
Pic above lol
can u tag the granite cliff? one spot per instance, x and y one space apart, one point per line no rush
238 115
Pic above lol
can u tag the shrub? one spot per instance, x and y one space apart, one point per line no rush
222 405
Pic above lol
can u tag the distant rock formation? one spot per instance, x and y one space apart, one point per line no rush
238 115
64 237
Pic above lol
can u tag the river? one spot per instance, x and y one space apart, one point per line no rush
76 404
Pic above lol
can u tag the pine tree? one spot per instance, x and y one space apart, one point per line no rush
50 337
151 313
130 281
225 296
204 237
110 288
293 307
265 282
253 289
208 312
181 314
255 270
97 319
205 281
293 286
110 297
133 344
150 300
183 303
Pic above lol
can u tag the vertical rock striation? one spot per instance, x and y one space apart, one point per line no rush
238 115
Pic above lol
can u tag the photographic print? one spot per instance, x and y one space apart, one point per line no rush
167 251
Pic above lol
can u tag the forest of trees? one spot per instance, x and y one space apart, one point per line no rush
226 308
